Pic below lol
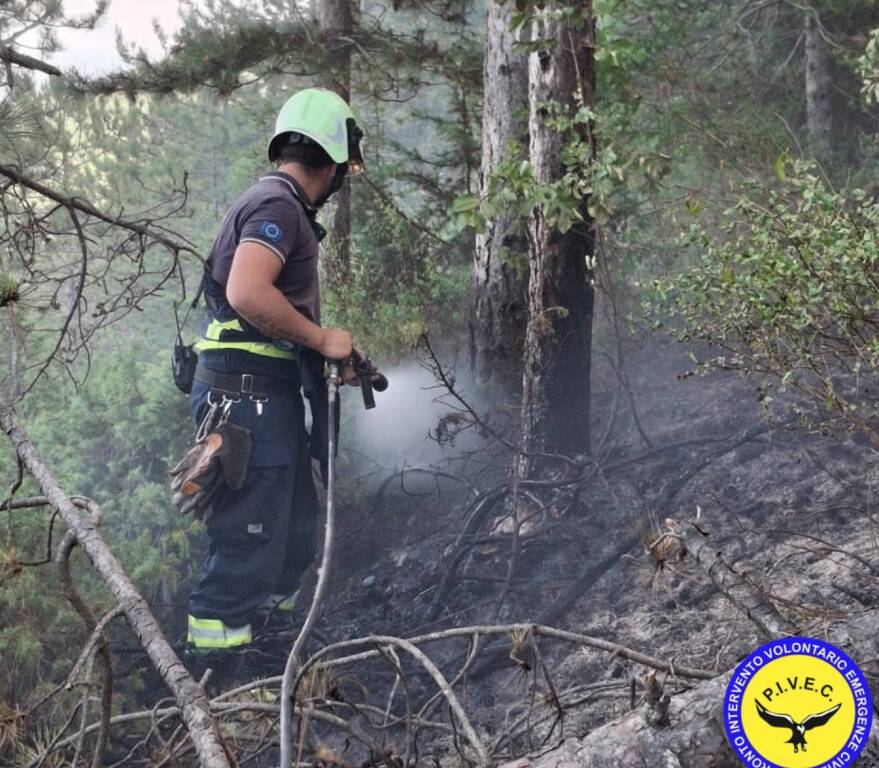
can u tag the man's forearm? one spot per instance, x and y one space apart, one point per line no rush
274 316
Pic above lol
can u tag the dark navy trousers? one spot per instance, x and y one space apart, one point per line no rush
262 537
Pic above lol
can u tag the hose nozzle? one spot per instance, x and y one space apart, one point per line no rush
370 378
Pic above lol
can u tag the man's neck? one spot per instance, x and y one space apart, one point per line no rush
310 184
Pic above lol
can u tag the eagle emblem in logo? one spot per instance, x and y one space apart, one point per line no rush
798 730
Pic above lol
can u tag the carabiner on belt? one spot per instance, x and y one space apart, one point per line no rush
259 402
217 413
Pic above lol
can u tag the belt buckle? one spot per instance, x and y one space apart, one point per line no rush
246 383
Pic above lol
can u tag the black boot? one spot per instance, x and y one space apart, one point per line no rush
225 664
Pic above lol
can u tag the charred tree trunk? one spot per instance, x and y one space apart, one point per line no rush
498 317
337 26
819 90
556 386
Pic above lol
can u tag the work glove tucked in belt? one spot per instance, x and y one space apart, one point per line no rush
221 458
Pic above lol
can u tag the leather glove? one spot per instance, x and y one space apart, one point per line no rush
219 460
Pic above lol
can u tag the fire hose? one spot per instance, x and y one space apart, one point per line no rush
370 380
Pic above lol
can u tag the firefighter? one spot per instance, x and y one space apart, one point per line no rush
262 347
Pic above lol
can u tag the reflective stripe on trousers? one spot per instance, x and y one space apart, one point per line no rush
278 602
213 633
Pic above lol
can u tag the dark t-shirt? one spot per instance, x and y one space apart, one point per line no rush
269 213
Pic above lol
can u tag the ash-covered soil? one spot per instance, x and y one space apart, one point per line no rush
793 511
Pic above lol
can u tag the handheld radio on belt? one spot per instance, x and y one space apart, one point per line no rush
184 357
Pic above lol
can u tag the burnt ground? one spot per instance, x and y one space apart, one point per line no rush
793 510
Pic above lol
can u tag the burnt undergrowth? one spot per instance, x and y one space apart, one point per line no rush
475 619
591 549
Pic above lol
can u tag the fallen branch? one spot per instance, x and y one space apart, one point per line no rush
429 666
482 505
503 629
98 640
219 709
89 647
323 660
732 584
192 700
565 601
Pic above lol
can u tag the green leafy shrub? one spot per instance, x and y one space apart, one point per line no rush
790 293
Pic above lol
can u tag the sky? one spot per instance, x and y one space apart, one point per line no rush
93 52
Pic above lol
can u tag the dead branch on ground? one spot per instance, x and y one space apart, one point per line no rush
384 729
84 532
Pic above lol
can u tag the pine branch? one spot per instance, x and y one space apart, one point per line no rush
227 58
11 56
84 206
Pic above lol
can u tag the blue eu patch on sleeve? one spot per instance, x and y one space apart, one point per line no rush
271 231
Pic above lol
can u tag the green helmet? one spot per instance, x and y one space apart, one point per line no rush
325 118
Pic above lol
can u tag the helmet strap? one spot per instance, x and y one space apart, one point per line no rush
335 184
339 178
355 155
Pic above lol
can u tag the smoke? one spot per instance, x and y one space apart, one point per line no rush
397 432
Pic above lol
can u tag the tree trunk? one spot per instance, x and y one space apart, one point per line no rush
337 22
819 87
498 314
556 387
192 700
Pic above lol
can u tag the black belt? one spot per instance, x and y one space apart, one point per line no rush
246 383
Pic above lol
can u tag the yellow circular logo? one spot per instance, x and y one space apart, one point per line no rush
798 703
